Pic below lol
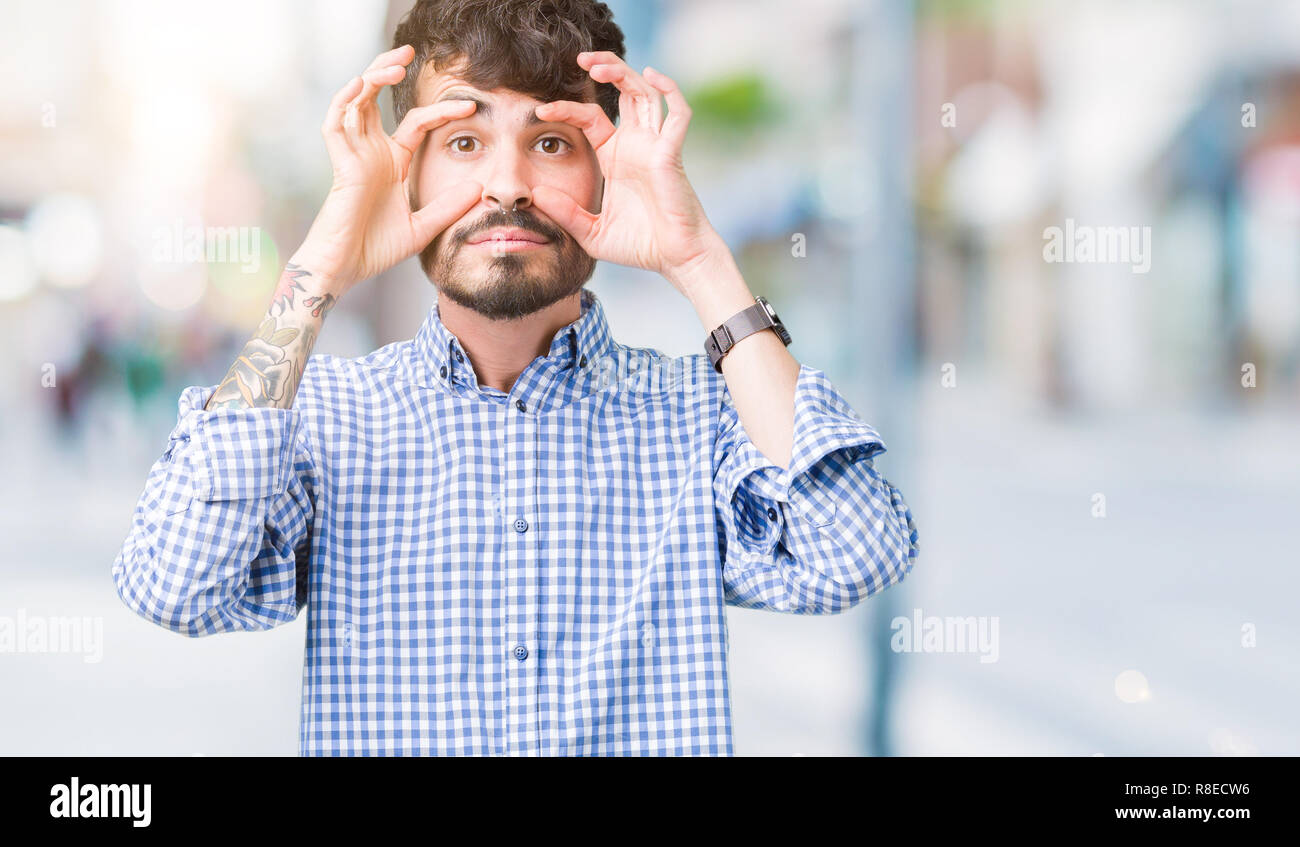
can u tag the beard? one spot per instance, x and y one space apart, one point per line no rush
513 285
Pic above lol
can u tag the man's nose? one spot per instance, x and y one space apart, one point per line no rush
507 184
508 201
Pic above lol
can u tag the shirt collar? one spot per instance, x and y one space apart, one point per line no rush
577 346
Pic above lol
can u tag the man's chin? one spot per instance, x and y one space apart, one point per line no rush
506 298
510 284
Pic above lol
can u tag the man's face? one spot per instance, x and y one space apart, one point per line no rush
501 263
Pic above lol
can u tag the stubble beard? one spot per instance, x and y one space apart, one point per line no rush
514 285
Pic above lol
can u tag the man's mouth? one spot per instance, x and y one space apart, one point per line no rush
508 239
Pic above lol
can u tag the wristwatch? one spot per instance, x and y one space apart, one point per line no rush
756 318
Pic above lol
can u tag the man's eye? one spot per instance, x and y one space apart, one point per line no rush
553 144
463 144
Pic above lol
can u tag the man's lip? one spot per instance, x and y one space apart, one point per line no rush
508 235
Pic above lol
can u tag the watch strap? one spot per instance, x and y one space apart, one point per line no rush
744 323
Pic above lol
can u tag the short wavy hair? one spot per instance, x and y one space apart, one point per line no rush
528 46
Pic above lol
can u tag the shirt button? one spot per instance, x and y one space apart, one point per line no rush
771 514
442 371
521 652
582 363
521 525
519 404
459 357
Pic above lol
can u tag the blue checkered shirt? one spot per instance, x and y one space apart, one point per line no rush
538 572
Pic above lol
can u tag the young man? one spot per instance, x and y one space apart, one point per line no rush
513 535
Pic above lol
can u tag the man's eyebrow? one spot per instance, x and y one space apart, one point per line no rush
483 109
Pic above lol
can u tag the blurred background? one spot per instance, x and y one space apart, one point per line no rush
1099 448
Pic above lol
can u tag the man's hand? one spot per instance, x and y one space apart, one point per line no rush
650 217
366 224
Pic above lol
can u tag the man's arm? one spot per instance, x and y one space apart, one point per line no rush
364 227
759 370
650 217
824 532
220 537
808 524
267 372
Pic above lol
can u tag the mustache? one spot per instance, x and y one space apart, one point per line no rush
517 219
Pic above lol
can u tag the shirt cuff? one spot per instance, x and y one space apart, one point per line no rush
233 454
824 422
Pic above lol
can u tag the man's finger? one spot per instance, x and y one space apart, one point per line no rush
397 56
598 57
588 117
421 120
362 113
332 128
444 209
383 71
640 101
567 212
679 113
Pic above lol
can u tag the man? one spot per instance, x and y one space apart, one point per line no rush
512 534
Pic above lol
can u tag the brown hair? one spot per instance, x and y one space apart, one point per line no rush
529 46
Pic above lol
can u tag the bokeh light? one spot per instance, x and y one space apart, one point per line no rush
66 239
17 264
1131 687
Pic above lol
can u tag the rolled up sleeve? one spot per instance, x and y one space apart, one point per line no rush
821 535
219 539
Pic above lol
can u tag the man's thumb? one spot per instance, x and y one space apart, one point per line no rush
445 208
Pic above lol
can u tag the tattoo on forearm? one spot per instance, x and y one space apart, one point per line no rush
267 371
284 290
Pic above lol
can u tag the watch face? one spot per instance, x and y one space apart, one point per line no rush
776 321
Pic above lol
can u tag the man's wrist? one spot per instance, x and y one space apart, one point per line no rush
714 285
321 277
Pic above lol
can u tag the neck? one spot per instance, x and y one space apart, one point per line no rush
499 350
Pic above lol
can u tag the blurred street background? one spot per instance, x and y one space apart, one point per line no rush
1101 452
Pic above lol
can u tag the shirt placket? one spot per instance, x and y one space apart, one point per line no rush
521 577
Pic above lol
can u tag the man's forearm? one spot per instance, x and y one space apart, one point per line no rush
760 372
267 371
